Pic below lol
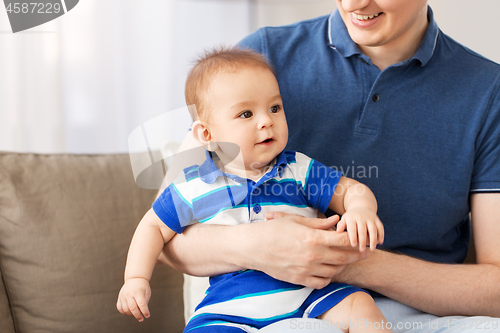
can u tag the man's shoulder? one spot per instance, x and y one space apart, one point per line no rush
271 35
464 56
297 31
301 25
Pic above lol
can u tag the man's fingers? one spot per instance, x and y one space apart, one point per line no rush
316 282
337 248
341 226
322 280
311 222
333 239
304 256
328 271
323 224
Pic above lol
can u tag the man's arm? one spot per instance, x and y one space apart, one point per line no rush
441 289
295 249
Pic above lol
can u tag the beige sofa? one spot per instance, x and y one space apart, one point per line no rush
65 225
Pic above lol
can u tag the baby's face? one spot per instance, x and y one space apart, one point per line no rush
247 110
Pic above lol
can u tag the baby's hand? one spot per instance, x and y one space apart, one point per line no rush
134 298
360 223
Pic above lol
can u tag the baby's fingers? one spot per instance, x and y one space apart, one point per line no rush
134 309
119 306
362 233
122 306
380 231
352 230
341 226
143 306
373 233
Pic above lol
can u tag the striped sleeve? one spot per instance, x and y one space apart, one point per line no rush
318 181
173 209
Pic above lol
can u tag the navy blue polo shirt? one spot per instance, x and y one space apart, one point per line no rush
422 134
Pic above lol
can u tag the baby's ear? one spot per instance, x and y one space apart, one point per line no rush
201 132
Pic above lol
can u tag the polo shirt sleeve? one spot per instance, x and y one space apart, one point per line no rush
486 172
174 209
318 183
254 41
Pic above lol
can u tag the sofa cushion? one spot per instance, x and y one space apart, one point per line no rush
66 222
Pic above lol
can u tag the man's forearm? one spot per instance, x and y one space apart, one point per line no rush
291 248
210 250
440 289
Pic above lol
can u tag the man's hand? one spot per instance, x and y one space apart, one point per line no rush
134 298
291 248
359 224
301 250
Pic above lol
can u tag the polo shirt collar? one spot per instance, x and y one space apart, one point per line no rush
209 171
339 39
338 36
279 165
428 45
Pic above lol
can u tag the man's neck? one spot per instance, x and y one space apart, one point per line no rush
398 50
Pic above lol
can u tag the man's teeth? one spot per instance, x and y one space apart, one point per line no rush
364 17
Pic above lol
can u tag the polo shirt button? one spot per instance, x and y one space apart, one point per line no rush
376 98
364 61
256 191
256 208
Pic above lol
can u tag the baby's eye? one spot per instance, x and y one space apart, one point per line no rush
246 114
275 108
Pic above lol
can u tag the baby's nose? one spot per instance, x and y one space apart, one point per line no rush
265 121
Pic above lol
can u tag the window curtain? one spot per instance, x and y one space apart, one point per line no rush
83 82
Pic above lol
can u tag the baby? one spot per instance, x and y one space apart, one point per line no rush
246 173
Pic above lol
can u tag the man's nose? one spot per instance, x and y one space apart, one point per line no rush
353 5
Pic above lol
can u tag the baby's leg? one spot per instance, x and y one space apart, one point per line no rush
357 313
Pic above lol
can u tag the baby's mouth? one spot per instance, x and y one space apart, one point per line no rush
269 140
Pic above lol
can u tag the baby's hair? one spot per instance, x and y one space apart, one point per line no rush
214 61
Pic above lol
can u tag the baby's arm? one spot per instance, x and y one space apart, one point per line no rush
148 241
358 207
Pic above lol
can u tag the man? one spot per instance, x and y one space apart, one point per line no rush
377 86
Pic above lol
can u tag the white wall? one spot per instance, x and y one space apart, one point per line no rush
472 23
281 12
